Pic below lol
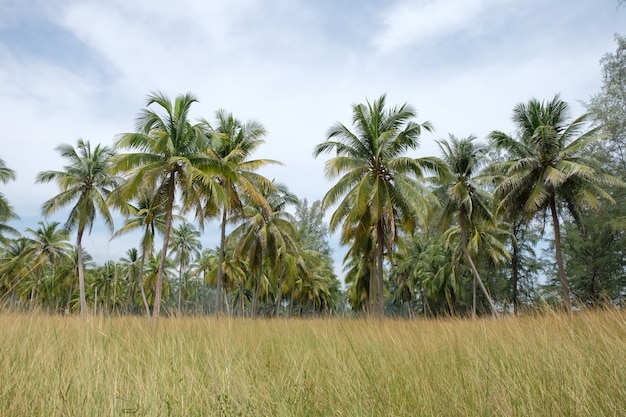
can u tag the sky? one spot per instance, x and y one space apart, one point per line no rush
73 69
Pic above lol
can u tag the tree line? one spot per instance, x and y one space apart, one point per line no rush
457 233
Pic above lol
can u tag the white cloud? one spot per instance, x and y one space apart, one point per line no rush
407 22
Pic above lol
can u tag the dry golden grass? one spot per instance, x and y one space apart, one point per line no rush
551 365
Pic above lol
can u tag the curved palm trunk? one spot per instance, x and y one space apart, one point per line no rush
477 278
559 256
81 273
220 270
166 236
480 283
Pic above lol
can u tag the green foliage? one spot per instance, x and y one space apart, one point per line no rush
608 107
6 210
595 263
550 168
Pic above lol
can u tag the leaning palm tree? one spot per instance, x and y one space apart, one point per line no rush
380 182
169 155
464 200
550 167
233 142
86 183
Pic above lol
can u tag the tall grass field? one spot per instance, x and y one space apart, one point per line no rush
550 365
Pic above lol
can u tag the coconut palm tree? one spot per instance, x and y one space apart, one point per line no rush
152 267
169 155
263 236
14 267
48 247
130 266
86 183
550 168
186 246
60 289
233 142
316 287
380 181
147 214
465 202
234 275
109 288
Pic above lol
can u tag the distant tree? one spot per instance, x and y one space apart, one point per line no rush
109 288
186 246
15 267
596 266
130 268
147 214
608 108
48 248
595 261
312 226
263 235
86 183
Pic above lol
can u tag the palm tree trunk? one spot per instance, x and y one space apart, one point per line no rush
141 282
515 277
480 283
166 236
474 297
242 295
257 295
451 299
33 291
220 261
81 273
180 287
279 297
463 224
371 296
380 293
559 256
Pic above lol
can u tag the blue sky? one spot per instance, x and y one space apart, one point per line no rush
74 69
